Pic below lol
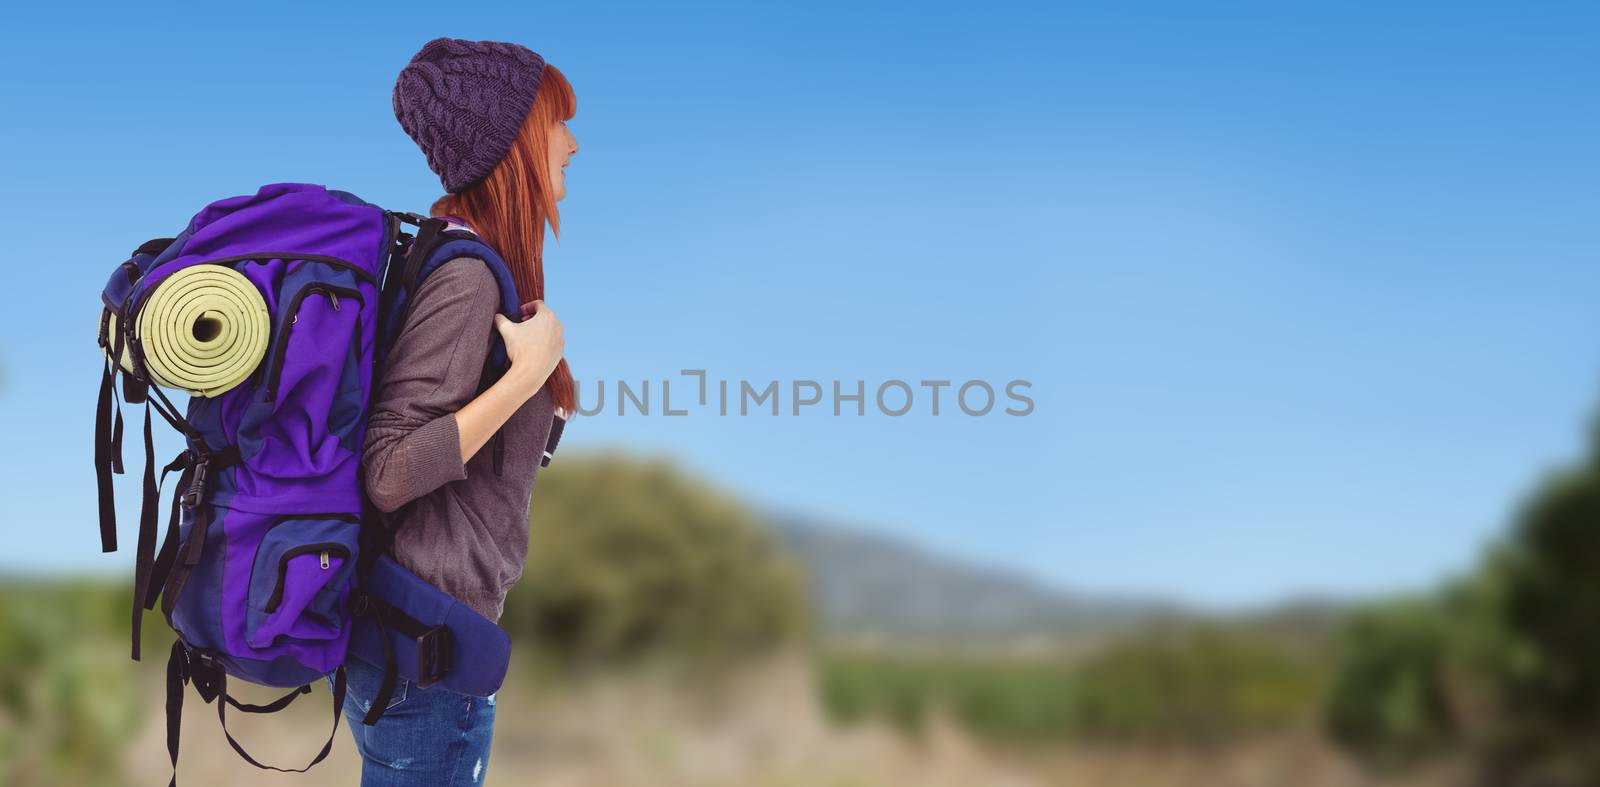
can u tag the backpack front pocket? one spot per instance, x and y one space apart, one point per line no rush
300 582
302 354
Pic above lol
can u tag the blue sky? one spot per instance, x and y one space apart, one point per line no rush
1307 296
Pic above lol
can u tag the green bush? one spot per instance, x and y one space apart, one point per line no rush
1176 684
69 695
1198 684
1504 662
1389 698
631 558
1548 578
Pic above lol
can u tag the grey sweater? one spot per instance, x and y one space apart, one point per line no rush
458 525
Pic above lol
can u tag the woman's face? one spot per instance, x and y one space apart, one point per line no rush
561 148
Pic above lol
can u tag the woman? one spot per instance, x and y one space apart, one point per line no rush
491 119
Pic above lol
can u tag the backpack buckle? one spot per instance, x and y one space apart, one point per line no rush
206 674
197 484
433 656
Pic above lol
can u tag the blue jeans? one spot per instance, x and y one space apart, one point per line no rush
429 737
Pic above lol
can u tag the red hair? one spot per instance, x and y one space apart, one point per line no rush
510 208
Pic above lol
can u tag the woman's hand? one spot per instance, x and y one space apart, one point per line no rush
534 345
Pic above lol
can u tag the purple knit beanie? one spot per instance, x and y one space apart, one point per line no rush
464 103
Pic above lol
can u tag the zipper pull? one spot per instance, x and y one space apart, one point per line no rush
324 560
333 296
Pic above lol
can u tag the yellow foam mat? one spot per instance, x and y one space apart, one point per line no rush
204 330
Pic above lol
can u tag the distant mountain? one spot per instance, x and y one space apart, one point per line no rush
869 587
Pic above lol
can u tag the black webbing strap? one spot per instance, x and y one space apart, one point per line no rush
195 546
386 615
134 390
497 444
169 411
150 571
391 676
271 707
212 684
194 496
177 678
116 429
168 553
145 555
338 707
103 464
427 238
175 573
392 266
108 432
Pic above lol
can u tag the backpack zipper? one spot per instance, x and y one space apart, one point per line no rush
292 256
326 552
333 291
332 296
342 516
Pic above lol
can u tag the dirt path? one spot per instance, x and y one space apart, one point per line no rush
763 728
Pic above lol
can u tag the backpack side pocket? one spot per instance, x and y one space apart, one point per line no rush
300 580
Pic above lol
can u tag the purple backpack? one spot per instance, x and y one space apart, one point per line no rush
265 565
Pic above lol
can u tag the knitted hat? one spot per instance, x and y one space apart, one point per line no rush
464 103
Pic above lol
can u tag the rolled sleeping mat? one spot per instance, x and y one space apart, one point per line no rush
204 330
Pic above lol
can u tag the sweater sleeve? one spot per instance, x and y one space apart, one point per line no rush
413 445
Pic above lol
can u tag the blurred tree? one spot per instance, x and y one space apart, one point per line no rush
69 700
1505 660
1389 699
631 558
1550 609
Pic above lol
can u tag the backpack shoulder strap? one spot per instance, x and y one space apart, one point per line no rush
456 241
437 242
